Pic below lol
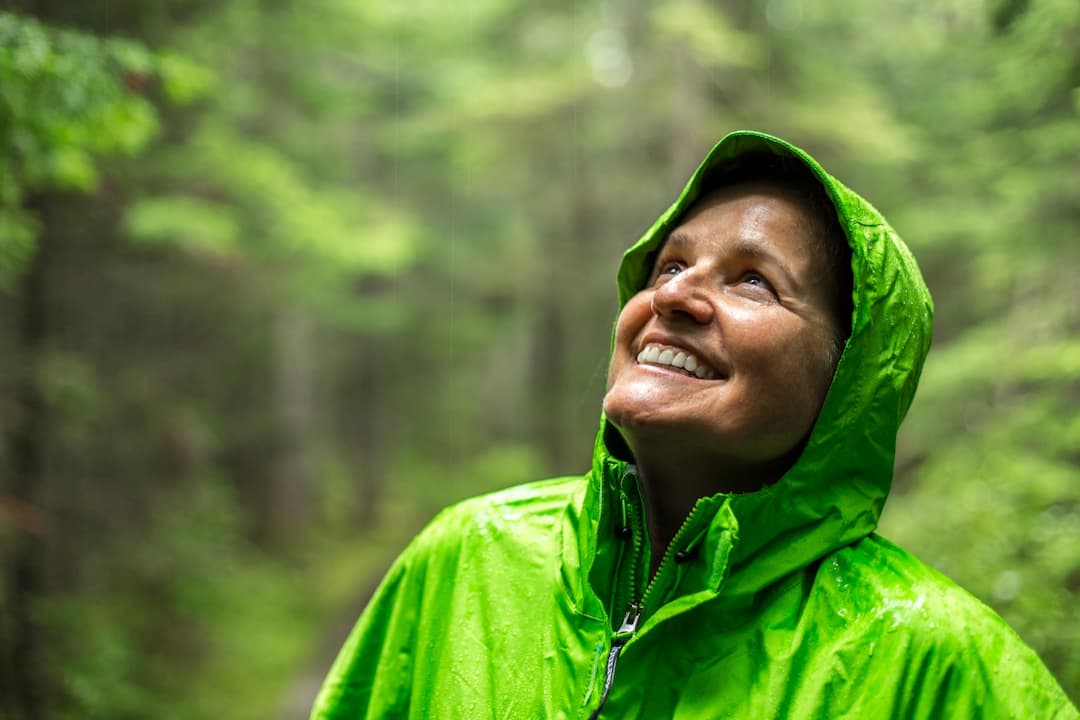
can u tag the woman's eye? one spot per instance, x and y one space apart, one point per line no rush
669 267
757 281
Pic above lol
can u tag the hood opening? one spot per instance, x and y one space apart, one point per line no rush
834 492
768 164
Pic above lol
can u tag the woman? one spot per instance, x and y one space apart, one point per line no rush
719 558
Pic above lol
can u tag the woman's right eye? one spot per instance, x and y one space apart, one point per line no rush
669 267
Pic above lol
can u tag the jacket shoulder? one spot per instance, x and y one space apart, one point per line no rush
951 651
895 586
438 595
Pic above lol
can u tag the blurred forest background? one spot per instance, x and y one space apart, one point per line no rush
280 279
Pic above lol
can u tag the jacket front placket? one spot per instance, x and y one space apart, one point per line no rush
634 599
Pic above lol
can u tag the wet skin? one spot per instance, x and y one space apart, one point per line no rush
740 285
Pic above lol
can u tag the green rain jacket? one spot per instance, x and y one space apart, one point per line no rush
535 602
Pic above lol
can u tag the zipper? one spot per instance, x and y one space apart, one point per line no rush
635 608
663 569
621 637
626 593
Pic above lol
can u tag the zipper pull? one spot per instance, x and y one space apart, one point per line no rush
621 637
629 623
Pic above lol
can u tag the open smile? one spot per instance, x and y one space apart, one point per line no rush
676 358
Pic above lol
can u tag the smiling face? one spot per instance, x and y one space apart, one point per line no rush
725 356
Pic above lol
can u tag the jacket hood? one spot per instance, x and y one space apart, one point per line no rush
833 495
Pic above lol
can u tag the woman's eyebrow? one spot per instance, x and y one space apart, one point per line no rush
678 239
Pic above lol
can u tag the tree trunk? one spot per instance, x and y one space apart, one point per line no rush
23 678
366 425
289 506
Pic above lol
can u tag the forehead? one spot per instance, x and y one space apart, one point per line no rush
756 219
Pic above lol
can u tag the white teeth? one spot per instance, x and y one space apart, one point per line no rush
672 357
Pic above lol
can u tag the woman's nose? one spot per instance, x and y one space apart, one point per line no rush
683 296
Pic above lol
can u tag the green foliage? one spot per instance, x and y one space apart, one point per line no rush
182 80
66 98
266 209
113 642
193 605
712 39
207 228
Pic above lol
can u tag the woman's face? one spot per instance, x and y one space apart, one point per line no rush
725 354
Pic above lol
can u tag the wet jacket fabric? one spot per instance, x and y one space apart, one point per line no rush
535 602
